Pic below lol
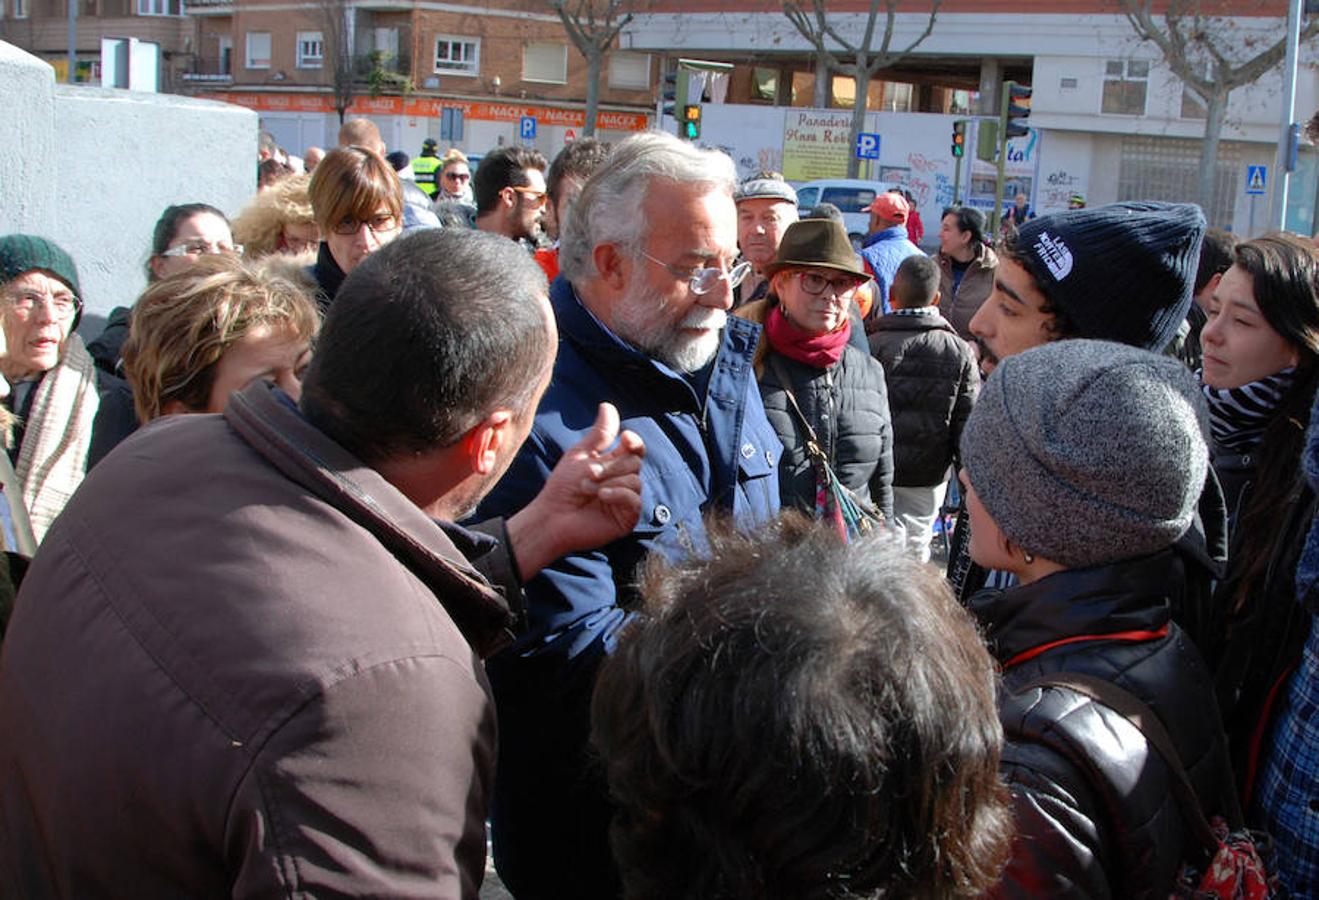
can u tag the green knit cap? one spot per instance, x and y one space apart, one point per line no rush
21 253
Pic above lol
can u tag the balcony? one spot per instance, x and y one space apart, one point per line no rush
209 71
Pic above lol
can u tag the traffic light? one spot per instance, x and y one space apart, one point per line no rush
675 96
690 126
1016 109
959 138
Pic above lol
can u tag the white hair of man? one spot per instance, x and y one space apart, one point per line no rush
609 208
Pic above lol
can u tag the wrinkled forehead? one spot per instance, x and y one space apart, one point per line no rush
39 280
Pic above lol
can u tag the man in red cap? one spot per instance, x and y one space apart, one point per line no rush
886 246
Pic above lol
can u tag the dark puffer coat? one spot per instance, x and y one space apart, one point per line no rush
1093 802
932 384
847 406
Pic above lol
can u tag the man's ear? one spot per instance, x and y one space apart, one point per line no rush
488 441
938 295
508 197
612 264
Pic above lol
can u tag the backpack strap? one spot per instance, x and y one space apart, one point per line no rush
1147 722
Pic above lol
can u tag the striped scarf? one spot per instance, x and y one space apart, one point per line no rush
1239 415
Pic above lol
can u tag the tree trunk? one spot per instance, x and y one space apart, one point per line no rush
862 90
822 73
1215 109
594 57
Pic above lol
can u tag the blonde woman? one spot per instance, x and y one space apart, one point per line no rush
279 220
198 337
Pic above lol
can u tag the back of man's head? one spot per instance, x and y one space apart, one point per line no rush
791 715
1215 256
361 133
577 160
427 337
916 283
505 167
1121 272
608 211
266 145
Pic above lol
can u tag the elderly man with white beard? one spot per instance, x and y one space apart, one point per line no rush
648 260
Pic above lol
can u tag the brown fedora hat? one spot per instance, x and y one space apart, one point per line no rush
819 244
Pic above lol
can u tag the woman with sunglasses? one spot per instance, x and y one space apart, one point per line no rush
358 203
63 414
819 391
455 178
183 234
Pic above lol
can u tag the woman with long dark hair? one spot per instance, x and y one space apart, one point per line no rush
1261 369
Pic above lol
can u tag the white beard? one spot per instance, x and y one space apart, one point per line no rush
641 318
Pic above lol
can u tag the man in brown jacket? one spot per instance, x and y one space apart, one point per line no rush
247 661
966 264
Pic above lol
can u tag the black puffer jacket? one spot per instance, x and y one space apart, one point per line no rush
932 385
1093 803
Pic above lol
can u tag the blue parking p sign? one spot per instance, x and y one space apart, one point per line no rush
867 145
528 128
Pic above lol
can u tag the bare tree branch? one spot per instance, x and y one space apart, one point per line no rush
593 27
860 60
1199 49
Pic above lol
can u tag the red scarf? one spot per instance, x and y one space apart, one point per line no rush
819 350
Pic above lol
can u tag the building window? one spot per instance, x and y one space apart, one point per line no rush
311 49
1125 86
153 7
258 49
764 85
629 71
457 55
20 9
545 62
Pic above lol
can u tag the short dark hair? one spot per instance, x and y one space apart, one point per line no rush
1215 256
792 717
825 211
578 159
968 219
505 167
916 282
429 335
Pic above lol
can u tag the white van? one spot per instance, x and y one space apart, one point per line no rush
851 195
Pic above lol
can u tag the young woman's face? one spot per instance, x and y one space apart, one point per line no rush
1240 346
264 353
196 236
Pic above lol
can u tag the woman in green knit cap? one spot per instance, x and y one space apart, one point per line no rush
64 415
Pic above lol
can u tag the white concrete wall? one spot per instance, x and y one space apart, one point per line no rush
95 167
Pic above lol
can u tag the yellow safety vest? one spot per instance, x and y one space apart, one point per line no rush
425 168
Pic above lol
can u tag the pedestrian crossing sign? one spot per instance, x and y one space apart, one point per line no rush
1256 179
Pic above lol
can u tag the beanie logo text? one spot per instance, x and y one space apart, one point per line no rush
1055 255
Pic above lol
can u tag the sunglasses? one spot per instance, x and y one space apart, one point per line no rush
534 197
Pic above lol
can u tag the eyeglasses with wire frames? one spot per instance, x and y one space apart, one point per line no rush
204 248
535 198
25 301
350 226
815 283
702 280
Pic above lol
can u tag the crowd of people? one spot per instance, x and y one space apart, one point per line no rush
588 504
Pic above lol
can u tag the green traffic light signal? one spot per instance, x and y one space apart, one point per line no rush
692 129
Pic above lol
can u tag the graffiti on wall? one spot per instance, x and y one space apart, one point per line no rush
1056 188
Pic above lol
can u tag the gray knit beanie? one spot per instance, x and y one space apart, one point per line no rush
1088 452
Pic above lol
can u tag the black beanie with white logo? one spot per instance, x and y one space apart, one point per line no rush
1123 272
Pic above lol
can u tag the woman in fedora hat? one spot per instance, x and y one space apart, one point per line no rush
819 391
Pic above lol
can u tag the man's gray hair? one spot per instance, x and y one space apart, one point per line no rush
609 208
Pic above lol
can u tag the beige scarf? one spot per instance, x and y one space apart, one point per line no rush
53 457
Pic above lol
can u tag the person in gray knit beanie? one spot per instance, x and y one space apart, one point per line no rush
1088 452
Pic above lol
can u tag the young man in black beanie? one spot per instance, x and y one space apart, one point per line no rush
1125 273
